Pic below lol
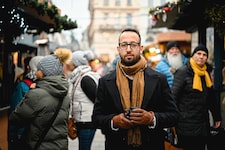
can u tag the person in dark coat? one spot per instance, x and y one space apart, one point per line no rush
37 108
134 102
28 82
194 95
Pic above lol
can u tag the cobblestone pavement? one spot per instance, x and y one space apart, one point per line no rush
97 144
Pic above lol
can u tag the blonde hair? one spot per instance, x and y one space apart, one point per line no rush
63 54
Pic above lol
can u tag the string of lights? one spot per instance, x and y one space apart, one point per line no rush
19 17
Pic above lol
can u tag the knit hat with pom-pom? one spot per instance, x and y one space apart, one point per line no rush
52 65
82 57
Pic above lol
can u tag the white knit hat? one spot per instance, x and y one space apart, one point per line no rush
82 57
34 61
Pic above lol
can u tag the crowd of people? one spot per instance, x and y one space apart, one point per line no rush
132 104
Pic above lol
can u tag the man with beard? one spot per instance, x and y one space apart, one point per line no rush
134 102
168 65
172 61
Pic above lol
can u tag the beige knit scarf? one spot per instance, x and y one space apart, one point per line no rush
137 72
198 72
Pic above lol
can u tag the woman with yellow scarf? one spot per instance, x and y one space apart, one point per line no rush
193 92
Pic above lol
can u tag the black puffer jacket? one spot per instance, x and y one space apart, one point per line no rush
38 107
193 104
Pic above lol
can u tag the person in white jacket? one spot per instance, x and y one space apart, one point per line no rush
83 84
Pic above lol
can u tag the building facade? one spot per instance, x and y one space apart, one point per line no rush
108 18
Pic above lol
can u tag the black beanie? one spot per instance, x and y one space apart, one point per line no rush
172 44
200 47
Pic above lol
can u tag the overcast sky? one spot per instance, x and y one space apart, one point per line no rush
76 10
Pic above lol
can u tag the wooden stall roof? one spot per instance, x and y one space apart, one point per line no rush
172 36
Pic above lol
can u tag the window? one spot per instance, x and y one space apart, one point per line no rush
129 2
129 19
106 16
106 2
117 2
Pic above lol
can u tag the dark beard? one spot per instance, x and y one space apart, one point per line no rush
130 63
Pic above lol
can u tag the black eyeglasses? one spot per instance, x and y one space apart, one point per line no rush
133 46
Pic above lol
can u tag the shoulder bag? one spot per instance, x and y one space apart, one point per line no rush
72 127
171 143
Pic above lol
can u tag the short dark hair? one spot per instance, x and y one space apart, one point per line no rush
131 30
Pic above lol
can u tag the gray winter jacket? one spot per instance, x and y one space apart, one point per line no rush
38 107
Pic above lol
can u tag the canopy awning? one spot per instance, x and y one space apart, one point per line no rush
181 16
172 36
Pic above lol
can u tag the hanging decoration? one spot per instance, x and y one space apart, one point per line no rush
13 17
214 13
45 8
160 12
164 17
12 22
153 20
16 20
166 9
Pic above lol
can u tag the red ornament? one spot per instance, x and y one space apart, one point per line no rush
166 9
154 20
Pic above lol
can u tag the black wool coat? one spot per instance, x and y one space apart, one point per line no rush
157 98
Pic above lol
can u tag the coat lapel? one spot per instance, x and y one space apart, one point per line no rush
150 77
112 88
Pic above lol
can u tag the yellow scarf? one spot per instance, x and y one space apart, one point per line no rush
137 72
198 72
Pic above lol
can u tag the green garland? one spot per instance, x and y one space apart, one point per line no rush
62 22
214 13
